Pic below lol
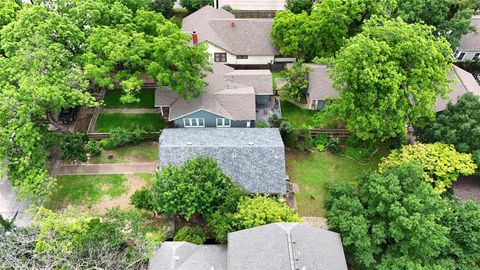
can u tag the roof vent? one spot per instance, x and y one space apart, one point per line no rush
232 24
189 143
250 143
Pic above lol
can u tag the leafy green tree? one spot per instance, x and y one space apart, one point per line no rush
441 162
39 75
299 6
297 81
194 5
197 187
324 32
163 6
450 18
8 9
458 124
392 216
383 80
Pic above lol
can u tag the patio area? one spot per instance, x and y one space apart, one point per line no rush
265 111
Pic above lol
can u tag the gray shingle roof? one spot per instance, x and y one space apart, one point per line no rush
187 256
463 83
276 246
289 246
471 41
253 157
237 36
230 93
320 85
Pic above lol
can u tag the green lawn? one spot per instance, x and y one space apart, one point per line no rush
143 152
315 171
297 116
112 100
106 122
86 190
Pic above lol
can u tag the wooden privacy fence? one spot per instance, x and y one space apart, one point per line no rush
340 133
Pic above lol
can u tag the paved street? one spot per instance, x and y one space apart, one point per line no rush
11 208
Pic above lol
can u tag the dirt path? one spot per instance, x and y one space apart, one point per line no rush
132 111
123 168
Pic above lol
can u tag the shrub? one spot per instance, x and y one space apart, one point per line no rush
320 142
262 125
194 235
333 145
72 147
299 6
296 80
92 148
142 199
120 137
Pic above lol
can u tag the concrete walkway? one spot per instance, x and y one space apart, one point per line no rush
123 168
132 111
11 208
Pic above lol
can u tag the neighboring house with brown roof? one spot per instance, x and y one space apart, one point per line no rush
463 83
469 48
251 4
275 246
320 87
230 99
237 42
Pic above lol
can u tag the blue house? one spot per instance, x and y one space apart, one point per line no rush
230 99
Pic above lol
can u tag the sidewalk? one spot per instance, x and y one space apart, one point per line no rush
123 168
11 208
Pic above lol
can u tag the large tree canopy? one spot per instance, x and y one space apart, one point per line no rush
38 77
451 18
459 125
388 76
393 220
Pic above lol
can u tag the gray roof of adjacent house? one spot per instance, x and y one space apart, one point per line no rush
187 256
463 82
284 246
471 41
320 86
237 36
253 157
229 93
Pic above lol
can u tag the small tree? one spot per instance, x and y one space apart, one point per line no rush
297 81
442 164
197 187
163 6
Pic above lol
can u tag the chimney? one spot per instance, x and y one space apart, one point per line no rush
194 38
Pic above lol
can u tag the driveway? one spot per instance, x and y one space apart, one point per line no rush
10 207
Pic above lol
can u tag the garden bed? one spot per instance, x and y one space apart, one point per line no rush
97 193
315 171
151 122
112 100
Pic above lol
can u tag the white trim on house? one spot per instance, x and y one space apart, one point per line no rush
223 122
173 119
192 120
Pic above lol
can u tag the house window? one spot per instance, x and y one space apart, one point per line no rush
476 57
223 122
242 56
220 57
193 122
460 56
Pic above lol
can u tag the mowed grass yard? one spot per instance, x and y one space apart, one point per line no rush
314 172
97 193
153 122
300 118
143 152
112 100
